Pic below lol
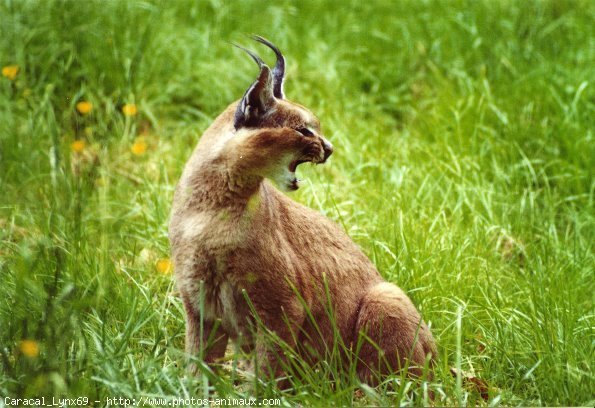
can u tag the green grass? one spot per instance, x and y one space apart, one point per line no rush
463 166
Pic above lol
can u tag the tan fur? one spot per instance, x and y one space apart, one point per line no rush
233 230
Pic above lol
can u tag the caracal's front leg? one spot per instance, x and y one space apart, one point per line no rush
205 340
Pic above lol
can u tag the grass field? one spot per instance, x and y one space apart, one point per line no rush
463 166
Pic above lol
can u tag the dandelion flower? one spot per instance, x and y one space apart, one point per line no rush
129 109
10 71
164 266
29 348
78 146
139 147
84 107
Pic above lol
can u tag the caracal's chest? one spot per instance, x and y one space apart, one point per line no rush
217 237
214 231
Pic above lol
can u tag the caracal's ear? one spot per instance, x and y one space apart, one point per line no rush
257 99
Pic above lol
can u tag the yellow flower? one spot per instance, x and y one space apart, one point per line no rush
78 146
84 107
10 71
129 109
164 266
29 348
139 147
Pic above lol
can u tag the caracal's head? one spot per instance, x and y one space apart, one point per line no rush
264 108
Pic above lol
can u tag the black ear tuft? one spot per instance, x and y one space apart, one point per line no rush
278 70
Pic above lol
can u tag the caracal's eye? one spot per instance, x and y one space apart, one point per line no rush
305 131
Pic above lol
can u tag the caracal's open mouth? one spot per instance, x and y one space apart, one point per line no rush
293 182
293 165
